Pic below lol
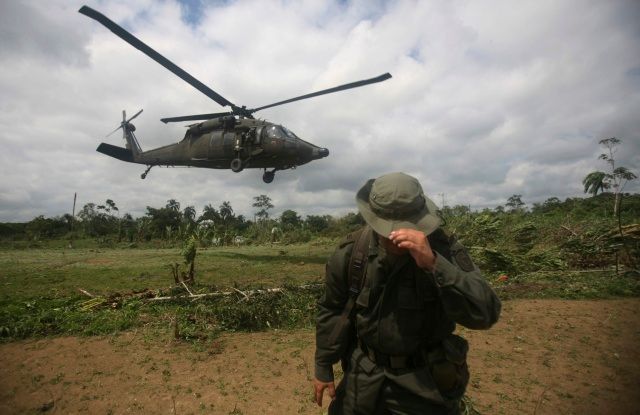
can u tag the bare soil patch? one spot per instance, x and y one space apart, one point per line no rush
543 357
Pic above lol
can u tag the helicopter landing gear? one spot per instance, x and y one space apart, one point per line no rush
143 175
268 176
236 165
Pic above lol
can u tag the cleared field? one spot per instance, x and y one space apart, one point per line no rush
542 357
251 355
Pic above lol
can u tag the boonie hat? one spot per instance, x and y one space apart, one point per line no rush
395 201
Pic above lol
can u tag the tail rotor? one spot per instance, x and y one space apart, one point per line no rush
125 124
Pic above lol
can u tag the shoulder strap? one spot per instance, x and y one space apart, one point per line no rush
358 261
357 275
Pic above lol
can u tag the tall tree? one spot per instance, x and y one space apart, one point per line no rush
617 177
210 213
164 220
189 214
173 205
515 203
226 212
263 203
595 182
111 205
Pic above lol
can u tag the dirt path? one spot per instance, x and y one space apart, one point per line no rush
543 357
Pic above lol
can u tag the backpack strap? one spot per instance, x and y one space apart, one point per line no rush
358 262
357 273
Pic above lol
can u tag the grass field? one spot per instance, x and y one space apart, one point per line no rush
41 289
26 274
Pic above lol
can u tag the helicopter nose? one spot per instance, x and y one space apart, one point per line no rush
320 152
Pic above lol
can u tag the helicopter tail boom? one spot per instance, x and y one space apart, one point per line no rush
119 153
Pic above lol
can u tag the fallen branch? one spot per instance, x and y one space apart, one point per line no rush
85 292
246 297
570 230
186 288
216 294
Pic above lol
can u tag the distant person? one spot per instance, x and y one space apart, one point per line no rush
394 292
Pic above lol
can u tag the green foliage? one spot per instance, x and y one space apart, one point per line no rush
515 203
263 203
317 223
492 260
296 236
287 309
41 227
596 181
525 235
290 219
573 234
55 316
189 250
163 222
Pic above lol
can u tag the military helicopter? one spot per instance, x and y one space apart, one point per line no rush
225 140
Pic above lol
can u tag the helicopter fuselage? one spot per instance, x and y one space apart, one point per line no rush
223 143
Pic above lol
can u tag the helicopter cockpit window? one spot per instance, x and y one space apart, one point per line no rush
289 133
274 131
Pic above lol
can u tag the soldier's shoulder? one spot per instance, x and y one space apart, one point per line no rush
350 238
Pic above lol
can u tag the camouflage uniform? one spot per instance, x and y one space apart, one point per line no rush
400 355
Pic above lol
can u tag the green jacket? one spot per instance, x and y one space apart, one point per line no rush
402 307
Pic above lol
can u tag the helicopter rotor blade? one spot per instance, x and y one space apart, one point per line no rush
195 117
111 133
137 113
144 48
357 84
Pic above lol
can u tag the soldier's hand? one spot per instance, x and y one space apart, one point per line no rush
320 386
418 246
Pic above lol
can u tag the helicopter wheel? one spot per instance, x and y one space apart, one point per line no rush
236 165
143 175
268 176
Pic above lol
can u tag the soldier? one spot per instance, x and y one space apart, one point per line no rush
394 292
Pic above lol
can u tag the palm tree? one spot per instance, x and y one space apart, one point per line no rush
226 212
209 213
596 181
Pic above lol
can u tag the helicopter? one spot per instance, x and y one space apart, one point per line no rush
224 140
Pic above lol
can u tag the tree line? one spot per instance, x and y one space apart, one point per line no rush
173 222
221 225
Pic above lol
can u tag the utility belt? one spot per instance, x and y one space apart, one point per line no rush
416 360
445 359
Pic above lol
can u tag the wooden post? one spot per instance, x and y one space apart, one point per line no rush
73 217
73 212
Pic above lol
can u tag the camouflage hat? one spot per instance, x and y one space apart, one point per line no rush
396 201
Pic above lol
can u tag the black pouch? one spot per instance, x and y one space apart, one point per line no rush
448 366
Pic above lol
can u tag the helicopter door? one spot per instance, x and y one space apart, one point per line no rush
216 146
257 136
228 144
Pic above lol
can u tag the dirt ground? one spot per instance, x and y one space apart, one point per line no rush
543 357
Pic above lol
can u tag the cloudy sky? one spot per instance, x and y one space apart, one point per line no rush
487 99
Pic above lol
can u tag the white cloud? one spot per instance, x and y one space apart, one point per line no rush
486 100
